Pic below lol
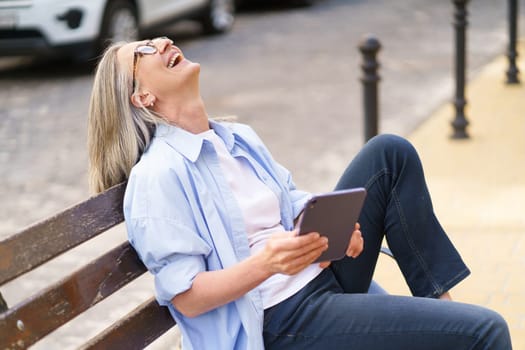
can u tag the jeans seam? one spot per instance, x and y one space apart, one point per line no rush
404 227
450 283
380 173
410 241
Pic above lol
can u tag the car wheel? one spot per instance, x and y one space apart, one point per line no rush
218 16
120 23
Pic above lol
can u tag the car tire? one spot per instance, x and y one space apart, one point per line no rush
218 16
120 23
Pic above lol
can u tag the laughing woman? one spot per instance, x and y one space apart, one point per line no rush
211 215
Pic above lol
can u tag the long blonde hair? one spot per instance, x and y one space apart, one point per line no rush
118 132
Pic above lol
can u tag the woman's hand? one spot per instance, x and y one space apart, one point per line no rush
355 246
285 252
289 253
357 243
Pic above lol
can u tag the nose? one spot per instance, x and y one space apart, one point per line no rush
162 43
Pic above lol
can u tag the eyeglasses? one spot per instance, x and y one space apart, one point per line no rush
141 50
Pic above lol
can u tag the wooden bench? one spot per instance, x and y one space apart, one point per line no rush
26 323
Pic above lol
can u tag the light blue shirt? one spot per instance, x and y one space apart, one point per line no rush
182 219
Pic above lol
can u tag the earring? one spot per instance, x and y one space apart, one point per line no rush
152 104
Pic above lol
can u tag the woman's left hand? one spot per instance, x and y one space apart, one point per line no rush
355 246
357 242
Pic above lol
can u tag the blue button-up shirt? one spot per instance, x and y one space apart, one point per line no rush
182 219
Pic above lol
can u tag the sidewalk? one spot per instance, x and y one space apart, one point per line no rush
478 188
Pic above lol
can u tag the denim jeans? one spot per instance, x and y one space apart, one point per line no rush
334 310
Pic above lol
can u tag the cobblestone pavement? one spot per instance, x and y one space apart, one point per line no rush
293 74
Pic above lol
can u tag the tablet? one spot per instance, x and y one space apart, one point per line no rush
333 215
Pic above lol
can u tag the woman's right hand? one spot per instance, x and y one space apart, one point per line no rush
289 253
285 252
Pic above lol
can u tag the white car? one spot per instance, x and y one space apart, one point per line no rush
81 28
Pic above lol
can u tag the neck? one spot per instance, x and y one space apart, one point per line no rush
189 115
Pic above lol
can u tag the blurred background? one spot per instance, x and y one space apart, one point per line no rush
289 69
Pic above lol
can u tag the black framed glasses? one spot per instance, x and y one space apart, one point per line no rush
141 50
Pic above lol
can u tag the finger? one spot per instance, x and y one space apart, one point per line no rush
302 239
307 242
295 260
321 244
324 264
356 244
301 262
285 254
358 247
291 241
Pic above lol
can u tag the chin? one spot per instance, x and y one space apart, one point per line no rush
195 70
196 66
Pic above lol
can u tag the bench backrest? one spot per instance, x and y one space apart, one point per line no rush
30 320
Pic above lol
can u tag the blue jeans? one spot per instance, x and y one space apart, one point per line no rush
334 310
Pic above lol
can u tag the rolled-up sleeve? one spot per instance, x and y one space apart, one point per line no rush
173 253
161 228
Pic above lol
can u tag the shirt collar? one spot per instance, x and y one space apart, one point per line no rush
188 144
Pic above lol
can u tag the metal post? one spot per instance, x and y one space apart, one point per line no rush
369 48
460 23
512 53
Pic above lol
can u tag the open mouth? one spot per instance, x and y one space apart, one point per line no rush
175 59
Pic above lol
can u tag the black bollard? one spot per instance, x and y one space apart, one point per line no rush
369 48
460 23
512 53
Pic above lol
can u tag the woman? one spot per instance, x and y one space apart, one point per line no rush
211 214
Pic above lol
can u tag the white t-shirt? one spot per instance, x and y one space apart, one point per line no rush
260 208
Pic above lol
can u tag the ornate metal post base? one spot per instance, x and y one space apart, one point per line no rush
369 48
460 23
512 53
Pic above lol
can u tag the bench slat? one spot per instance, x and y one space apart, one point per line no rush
56 305
136 330
43 241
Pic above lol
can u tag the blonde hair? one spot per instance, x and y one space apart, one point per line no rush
118 132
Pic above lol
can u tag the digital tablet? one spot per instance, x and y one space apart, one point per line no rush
333 215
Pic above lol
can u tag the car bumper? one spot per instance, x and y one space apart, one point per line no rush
41 26
35 44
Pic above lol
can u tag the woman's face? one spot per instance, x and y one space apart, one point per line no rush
160 68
